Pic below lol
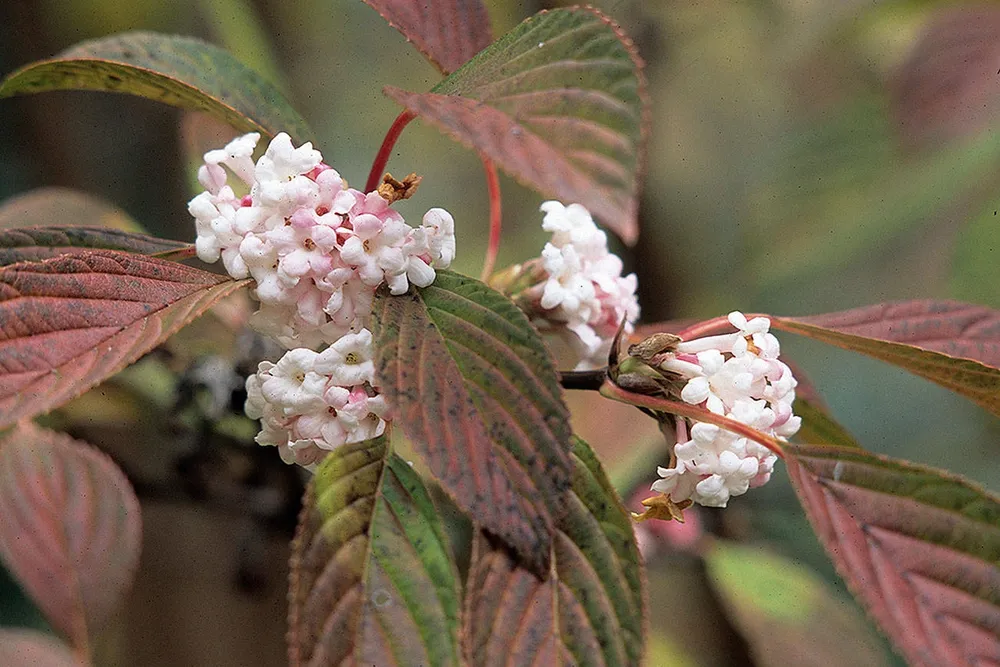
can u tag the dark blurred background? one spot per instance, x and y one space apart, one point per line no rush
805 157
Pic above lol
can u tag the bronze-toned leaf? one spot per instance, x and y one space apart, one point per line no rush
560 104
475 391
920 548
447 32
590 610
68 322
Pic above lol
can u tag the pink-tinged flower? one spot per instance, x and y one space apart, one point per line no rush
375 245
304 248
362 415
350 300
303 409
316 250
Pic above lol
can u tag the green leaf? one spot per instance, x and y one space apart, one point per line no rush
71 530
920 548
69 322
974 263
787 615
372 578
818 427
863 199
956 345
474 389
590 610
180 71
559 103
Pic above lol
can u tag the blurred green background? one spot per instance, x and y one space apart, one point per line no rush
804 157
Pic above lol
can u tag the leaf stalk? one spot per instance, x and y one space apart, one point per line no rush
493 185
385 150
616 393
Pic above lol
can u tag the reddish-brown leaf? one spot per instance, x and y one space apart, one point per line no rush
962 330
447 32
20 647
475 391
36 243
919 547
70 530
559 103
947 87
68 322
956 345
590 609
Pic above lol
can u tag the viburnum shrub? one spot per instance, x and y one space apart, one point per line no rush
380 342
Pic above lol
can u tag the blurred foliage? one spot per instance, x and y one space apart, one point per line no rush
798 164
787 615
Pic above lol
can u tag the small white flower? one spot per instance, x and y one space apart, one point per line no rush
212 177
439 228
293 385
348 361
737 375
568 288
573 225
584 291
237 155
675 483
755 331
256 403
280 175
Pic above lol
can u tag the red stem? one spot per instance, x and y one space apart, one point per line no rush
493 185
614 392
382 158
716 325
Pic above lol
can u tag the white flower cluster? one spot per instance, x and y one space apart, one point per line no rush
737 375
584 289
317 251
312 402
